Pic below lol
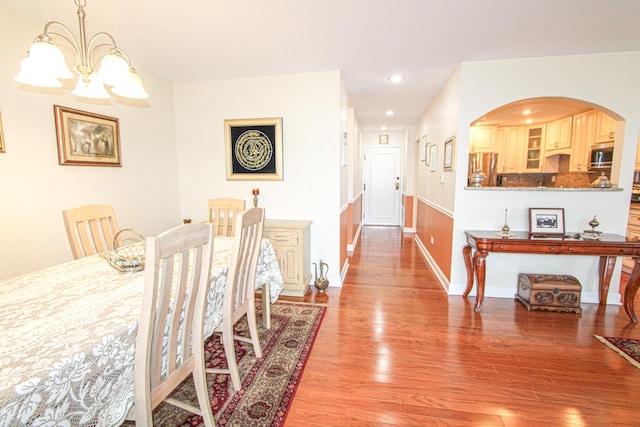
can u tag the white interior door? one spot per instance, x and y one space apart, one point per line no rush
382 185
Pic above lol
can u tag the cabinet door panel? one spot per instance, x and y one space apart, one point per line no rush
288 265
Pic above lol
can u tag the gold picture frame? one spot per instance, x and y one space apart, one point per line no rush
87 139
3 149
253 149
383 139
449 153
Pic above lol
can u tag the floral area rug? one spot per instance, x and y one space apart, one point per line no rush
268 384
626 347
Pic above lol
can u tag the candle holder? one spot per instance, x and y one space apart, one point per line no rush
505 227
593 233
505 231
256 193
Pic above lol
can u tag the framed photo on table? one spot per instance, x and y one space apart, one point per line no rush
253 149
546 222
87 139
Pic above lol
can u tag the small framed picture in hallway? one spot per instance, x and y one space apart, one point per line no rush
433 155
449 153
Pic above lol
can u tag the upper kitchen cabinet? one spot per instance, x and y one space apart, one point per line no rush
483 139
582 137
605 127
558 138
510 149
534 149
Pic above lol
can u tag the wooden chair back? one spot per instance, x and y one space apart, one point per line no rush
90 229
222 213
239 291
176 277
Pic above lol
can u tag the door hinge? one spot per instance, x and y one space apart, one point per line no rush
364 187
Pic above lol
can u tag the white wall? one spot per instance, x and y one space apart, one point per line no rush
441 121
313 112
608 80
35 189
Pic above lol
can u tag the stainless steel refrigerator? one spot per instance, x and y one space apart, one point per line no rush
487 163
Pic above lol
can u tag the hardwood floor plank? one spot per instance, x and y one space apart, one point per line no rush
395 350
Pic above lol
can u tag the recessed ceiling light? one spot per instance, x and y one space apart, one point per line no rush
528 121
396 78
525 112
383 128
389 113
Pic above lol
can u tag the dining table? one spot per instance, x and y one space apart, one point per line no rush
68 332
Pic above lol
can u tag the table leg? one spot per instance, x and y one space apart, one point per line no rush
631 289
266 306
466 253
606 269
479 266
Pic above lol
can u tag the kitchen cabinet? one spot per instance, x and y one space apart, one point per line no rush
582 136
633 232
558 137
534 149
511 149
290 241
605 127
483 139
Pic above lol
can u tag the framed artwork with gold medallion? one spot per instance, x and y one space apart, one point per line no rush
253 149
2 147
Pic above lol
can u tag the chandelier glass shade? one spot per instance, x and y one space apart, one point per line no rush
45 64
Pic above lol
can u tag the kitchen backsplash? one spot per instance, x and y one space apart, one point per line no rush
563 178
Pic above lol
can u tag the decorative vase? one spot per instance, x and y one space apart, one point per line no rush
477 178
321 283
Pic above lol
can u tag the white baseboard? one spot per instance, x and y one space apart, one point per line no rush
442 279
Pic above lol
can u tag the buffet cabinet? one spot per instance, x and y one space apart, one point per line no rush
290 240
633 233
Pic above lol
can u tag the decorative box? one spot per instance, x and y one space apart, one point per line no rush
549 292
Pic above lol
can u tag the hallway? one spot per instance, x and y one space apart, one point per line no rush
395 350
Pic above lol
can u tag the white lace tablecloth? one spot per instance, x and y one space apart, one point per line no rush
67 338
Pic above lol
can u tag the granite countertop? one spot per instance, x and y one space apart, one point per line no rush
543 189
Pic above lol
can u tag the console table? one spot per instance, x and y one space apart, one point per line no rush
608 248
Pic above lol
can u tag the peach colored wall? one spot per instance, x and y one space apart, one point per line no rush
355 217
433 223
350 220
407 203
344 221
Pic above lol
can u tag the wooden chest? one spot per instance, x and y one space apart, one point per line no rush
549 292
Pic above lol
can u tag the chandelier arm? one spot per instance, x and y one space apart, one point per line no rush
69 37
92 47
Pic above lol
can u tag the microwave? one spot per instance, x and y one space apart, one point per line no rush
601 156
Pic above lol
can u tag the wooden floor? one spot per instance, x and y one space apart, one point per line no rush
395 350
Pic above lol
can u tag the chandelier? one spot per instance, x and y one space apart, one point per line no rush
45 65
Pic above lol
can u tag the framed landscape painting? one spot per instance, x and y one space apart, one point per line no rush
254 149
86 139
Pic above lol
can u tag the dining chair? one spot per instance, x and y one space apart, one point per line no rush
90 229
223 212
170 341
239 291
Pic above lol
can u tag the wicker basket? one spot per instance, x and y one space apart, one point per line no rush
130 256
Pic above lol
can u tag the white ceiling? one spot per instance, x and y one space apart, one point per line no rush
367 39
